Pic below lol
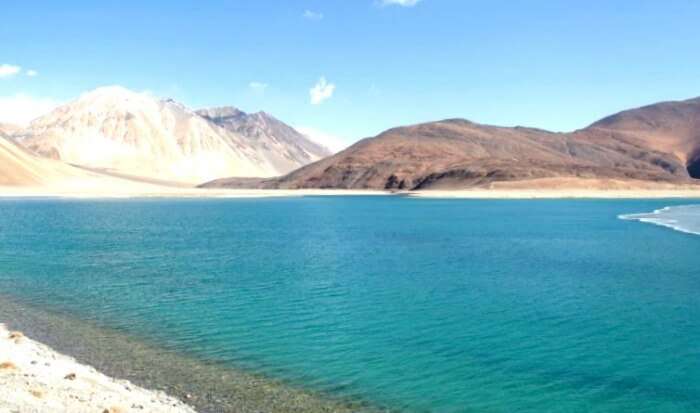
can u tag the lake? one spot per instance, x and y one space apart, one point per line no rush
402 304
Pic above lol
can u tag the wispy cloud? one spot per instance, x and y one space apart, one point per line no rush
7 70
258 87
312 15
21 108
402 3
321 91
333 142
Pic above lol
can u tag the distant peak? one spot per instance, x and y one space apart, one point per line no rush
654 115
265 116
113 90
459 121
114 95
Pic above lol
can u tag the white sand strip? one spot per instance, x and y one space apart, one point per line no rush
36 379
165 192
559 194
570 188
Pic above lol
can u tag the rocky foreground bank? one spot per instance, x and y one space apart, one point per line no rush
34 378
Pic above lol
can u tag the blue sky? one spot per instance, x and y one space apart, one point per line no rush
552 64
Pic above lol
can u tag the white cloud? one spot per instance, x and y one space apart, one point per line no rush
321 91
402 3
9 70
332 142
20 109
312 15
32 73
258 87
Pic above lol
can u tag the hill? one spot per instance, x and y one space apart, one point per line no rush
119 131
657 143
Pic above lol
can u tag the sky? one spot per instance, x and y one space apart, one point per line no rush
348 69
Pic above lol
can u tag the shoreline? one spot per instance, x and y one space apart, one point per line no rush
611 191
559 194
36 378
120 357
29 192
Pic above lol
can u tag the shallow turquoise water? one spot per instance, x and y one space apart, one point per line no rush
414 304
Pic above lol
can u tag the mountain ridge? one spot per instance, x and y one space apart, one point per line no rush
126 132
261 125
459 154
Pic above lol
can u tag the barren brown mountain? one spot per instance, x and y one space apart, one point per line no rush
671 127
657 143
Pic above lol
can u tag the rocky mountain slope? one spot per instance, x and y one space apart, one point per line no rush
7 129
669 127
276 140
24 173
120 131
657 143
18 167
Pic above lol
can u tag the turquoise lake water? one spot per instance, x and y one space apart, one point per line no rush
413 304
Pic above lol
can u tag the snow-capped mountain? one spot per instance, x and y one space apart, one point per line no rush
132 133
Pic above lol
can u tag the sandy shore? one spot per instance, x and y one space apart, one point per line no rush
570 188
6 192
171 192
35 378
531 189
206 386
559 194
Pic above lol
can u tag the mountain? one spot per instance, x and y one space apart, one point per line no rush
283 145
671 127
23 172
7 130
18 167
124 132
657 143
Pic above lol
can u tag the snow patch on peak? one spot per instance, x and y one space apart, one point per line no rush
113 92
121 99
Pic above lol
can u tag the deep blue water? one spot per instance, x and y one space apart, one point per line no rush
415 304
